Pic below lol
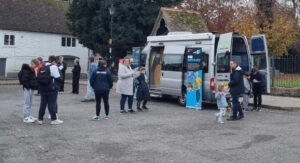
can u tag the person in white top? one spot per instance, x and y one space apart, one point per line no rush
49 91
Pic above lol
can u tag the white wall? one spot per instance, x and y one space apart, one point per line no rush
29 45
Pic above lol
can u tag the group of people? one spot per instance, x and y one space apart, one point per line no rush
241 83
48 78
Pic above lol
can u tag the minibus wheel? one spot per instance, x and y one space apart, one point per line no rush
182 100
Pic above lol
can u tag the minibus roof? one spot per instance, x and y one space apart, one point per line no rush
181 37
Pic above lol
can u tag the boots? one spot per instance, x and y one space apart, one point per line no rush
138 106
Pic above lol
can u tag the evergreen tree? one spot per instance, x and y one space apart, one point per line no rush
133 20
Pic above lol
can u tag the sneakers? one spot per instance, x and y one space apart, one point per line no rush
220 121
123 111
246 110
145 108
56 122
231 118
240 117
40 122
139 109
96 118
28 120
131 111
107 117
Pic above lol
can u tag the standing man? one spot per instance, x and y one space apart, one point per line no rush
76 76
62 67
49 80
258 88
236 86
90 95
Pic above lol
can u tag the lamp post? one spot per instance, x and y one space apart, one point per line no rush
111 13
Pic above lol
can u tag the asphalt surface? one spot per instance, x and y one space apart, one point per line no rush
166 133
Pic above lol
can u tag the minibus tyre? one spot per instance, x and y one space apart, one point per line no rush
182 100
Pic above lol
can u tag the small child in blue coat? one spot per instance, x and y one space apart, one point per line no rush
221 102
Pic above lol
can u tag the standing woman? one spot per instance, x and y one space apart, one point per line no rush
62 66
101 82
125 85
143 93
258 87
76 76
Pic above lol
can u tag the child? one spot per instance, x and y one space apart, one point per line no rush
247 93
143 93
221 101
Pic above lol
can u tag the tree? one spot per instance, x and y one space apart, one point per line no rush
282 34
133 20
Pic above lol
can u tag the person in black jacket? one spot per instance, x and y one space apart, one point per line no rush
63 68
236 86
29 82
101 82
143 93
76 76
258 87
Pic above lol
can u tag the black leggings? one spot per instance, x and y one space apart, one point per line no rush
140 101
99 96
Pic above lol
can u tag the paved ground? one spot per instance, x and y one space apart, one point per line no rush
167 133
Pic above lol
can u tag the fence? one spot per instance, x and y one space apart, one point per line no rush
286 71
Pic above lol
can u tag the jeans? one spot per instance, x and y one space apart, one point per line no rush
257 100
89 92
246 101
28 97
197 95
103 96
123 101
236 106
51 101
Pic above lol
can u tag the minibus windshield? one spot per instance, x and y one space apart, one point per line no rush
223 63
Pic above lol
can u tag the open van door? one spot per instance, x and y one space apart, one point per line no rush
260 59
171 74
224 51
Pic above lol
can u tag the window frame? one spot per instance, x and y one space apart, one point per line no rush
9 40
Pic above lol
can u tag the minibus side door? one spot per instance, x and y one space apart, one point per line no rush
260 59
223 56
171 75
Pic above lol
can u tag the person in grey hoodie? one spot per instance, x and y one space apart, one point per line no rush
248 90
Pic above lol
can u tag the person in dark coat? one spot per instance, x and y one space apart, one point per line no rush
258 87
28 79
143 93
63 68
236 86
76 76
101 82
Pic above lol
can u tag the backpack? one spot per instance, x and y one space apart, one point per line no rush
20 77
44 76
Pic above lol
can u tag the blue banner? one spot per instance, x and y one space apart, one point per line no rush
194 78
136 55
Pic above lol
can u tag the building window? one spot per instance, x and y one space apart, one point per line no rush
73 42
9 39
68 42
63 41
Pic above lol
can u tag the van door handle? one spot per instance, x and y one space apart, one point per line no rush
162 74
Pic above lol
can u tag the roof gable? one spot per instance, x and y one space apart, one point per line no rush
175 20
45 16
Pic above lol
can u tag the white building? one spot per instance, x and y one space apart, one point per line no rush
31 29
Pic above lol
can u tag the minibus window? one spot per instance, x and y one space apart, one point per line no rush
259 61
172 62
223 63
143 60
